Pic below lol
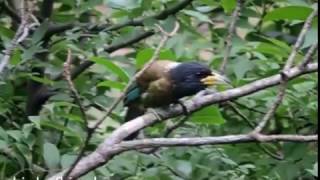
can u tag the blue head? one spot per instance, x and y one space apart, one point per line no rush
191 78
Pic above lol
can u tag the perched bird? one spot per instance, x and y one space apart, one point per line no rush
164 83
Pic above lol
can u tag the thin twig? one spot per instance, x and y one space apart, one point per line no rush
306 60
21 34
284 83
253 125
300 40
231 31
67 76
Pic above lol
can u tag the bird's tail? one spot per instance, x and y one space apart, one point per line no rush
133 112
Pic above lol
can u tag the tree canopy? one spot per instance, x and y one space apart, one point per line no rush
65 65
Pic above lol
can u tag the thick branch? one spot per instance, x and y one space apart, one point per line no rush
198 141
104 152
230 139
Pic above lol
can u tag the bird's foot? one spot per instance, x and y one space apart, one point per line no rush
154 112
185 110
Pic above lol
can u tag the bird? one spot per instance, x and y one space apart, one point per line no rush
165 82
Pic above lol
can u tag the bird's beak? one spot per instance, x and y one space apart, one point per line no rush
214 79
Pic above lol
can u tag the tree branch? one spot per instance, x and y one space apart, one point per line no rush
109 147
21 34
231 31
284 79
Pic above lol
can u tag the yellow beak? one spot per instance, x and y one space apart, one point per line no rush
209 80
214 79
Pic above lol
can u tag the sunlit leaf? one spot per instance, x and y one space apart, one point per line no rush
209 115
288 13
114 68
51 155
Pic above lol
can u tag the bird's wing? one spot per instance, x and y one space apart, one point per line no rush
134 92
158 70
151 80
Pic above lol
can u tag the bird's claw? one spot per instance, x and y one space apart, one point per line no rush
185 110
154 112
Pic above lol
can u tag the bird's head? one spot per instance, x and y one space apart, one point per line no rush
190 78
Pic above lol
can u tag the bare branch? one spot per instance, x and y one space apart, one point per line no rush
284 81
21 34
300 40
100 156
231 31
252 125
230 139
67 75
308 57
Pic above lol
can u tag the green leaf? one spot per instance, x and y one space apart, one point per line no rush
124 4
112 67
145 56
7 90
15 134
40 32
36 121
51 155
289 13
3 144
43 80
67 160
314 171
209 115
60 127
198 15
16 57
112 84
5 32
183 166
242 66
228 5
271 49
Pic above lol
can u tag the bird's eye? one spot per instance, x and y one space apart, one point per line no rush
199 74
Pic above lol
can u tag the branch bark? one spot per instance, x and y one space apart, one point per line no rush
284 79
21 34
231 31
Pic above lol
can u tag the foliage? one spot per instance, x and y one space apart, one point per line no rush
39 144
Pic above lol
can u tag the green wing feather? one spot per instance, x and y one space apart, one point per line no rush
133 94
